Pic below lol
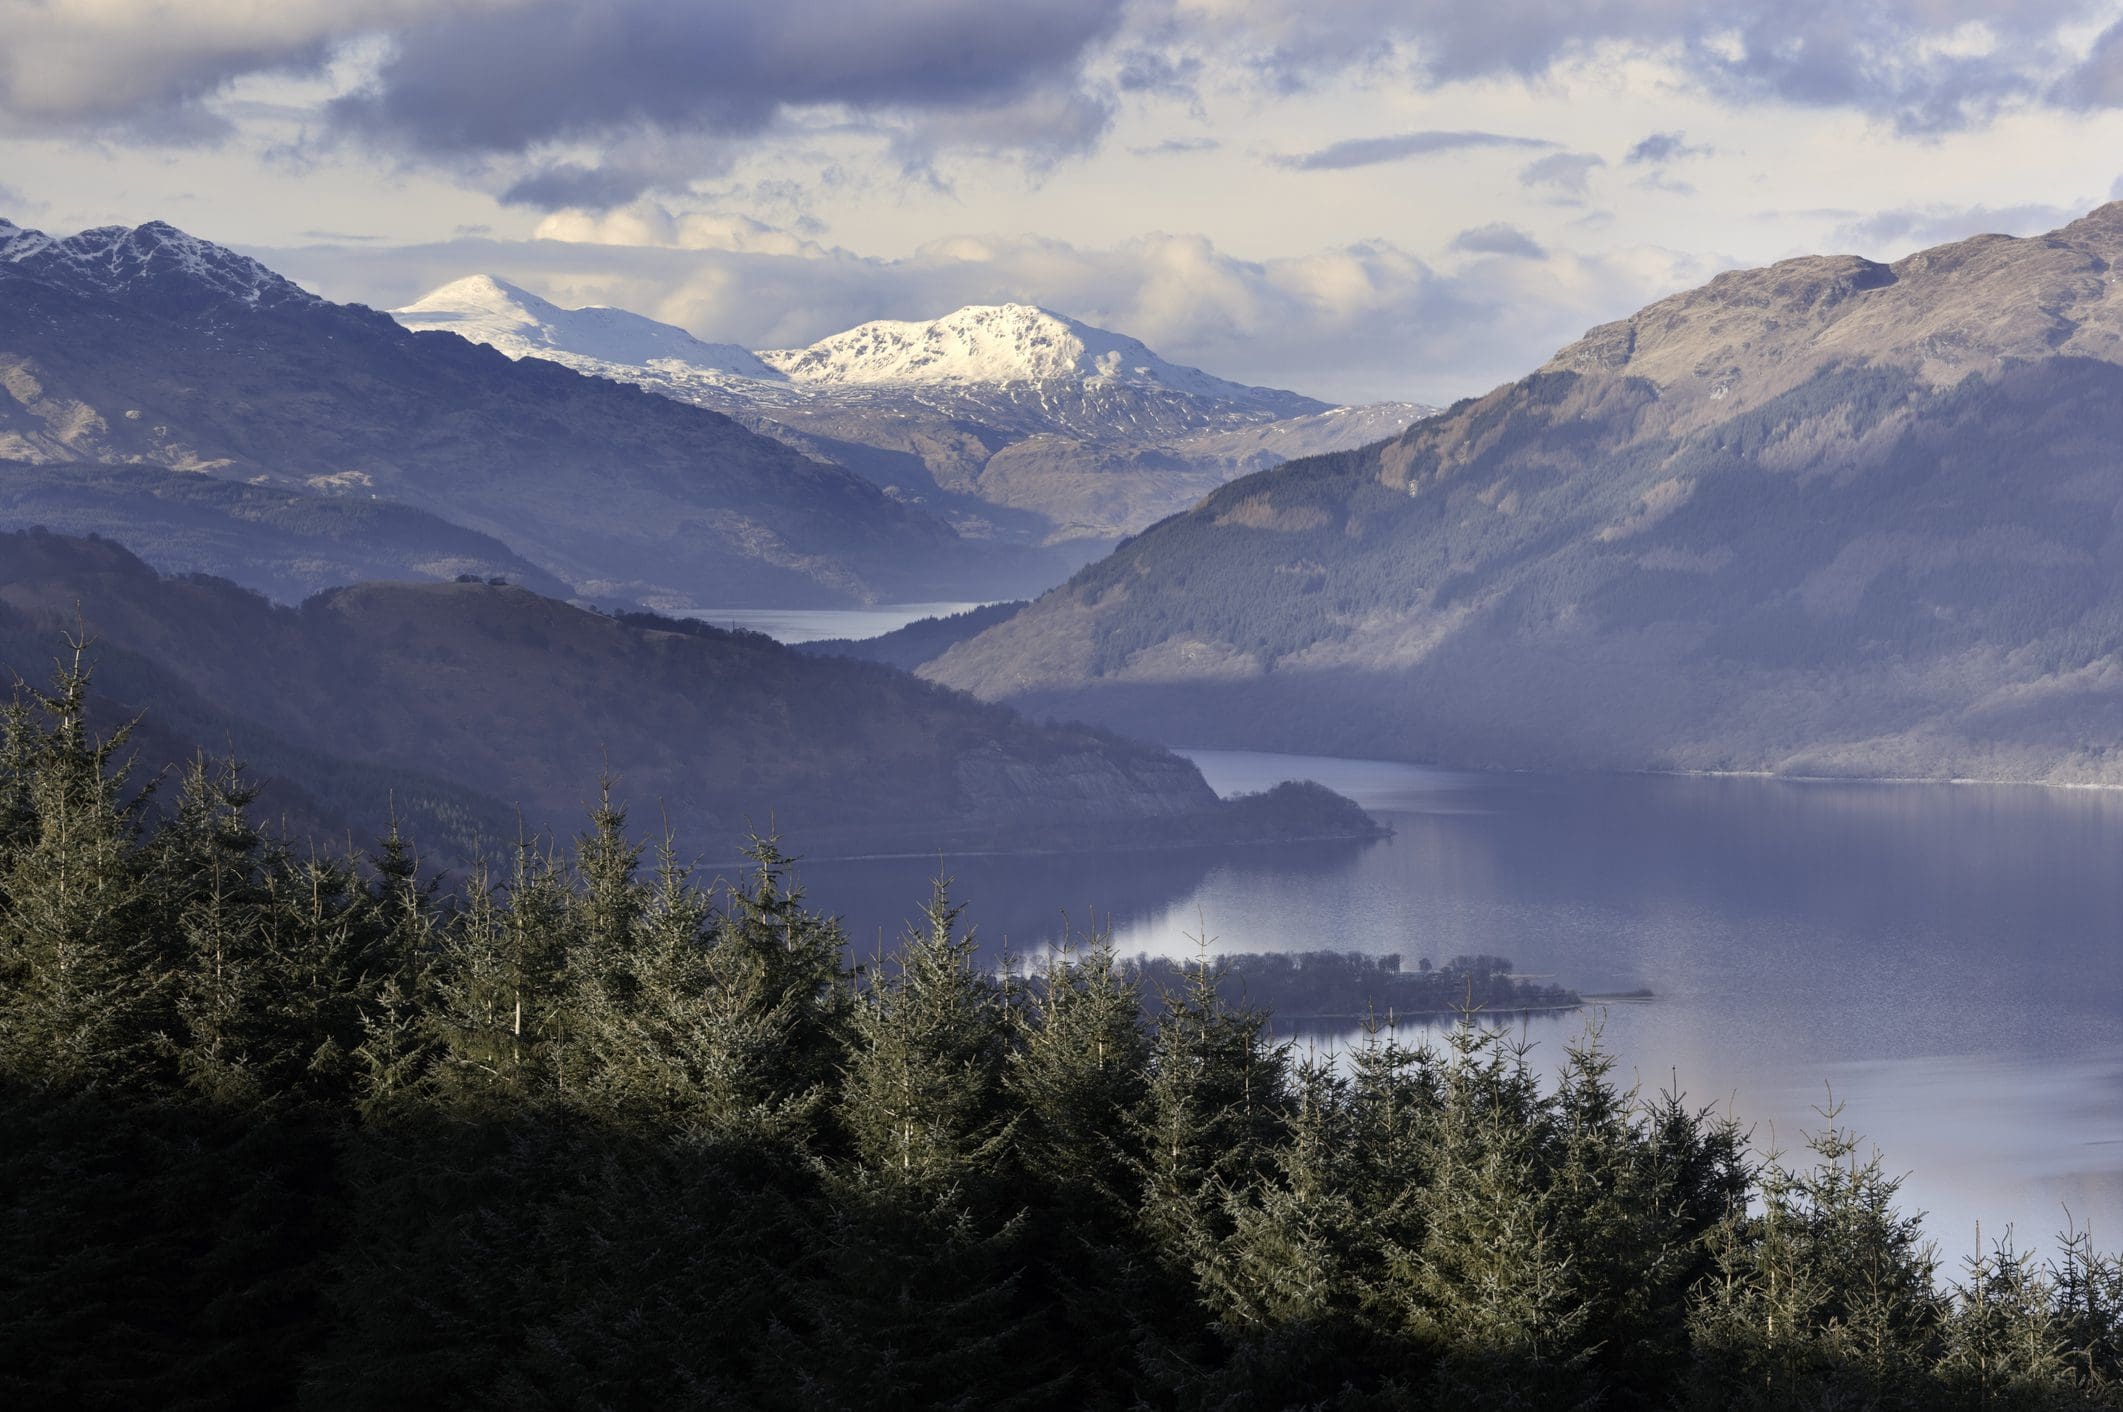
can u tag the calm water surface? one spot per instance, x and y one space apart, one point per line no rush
793 625
1948 960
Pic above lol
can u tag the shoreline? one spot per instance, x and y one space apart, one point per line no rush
1615 772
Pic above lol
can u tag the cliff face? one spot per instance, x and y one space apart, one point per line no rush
1828 517
523 701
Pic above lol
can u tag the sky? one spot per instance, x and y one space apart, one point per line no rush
1363 200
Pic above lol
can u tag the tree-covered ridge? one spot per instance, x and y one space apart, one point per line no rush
588 1130
513 701
1350 985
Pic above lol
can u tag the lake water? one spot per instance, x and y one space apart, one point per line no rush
793 625
1948 960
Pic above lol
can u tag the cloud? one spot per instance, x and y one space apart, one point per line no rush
1567 175
1372 151
1916 227
1663 147
476 80
2097 82
1499 238
1923 65
144 69
1178 147
566 102
1366 321
649 223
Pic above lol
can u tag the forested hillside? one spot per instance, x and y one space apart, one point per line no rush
519 703
1826 518
289 1128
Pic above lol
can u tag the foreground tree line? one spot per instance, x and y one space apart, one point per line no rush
281 1128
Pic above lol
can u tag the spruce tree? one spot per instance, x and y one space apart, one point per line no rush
91 984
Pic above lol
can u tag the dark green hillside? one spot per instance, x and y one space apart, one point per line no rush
1880 565
524 699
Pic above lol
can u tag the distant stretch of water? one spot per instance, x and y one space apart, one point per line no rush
792 625
1947 959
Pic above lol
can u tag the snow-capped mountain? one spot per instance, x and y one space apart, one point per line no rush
1012 420
149 261
487 309
1001 344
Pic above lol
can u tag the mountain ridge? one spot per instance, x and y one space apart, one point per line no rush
1830 517
491 692
1015 423
151 347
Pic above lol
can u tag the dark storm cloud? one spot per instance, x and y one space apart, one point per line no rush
1499 238
1663 147
562 184
1371 151
494 87
479 81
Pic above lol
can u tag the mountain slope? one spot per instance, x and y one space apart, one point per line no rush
276 541
503 695
1014 422
1828 517
150 347
490 310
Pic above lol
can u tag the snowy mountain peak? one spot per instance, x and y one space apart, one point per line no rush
488 309
156 256
998 344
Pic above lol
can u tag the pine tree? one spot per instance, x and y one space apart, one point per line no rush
1212 1108
1285 1285
1493 1290
91 986
1076 1074
1210 1115
923 1102
788 960
918 1302
394 939
232 992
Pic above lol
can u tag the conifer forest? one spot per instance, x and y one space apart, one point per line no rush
585 1129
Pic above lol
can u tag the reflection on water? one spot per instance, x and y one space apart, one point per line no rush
792 625
1949 959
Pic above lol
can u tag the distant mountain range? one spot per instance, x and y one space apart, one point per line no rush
1012 421
1831 517
128 351
477 711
